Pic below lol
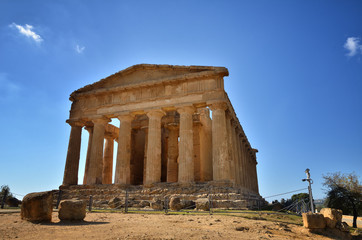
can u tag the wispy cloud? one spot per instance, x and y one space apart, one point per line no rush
27 31
8 89
353 46
79 49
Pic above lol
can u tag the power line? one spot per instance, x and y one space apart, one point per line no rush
18 194
286 193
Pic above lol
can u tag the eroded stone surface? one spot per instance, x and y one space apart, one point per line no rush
176 204
37 207
72 210
203 204
332 216
313 220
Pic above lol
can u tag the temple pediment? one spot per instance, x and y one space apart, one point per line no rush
142 74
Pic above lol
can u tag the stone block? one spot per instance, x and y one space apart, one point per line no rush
72 210
175 204
343 226
157 205
203 204
313 220
37 207
144 203
188 204
332 216
115 202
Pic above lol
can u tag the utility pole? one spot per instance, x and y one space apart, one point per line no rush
310 181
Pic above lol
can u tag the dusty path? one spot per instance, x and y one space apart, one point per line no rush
349 220
151 226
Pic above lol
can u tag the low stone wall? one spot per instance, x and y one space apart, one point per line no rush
223 194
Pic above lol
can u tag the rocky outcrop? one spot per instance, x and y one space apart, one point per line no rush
37 207
72 210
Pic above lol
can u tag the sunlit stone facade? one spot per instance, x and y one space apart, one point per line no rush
177 124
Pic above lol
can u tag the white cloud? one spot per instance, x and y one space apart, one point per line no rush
79 49
353 46
27 31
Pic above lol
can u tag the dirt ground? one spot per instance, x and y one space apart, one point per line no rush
152 226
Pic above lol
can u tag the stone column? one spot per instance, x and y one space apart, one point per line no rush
255 175
96 159
235 152
256 178
220 154
186 147
247 168
240 157
145 129
153 162
123 164
87 160
172 153
230 147
205 145
72 162
251 172
243 161
245 164
108 160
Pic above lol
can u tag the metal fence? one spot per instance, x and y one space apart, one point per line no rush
127 202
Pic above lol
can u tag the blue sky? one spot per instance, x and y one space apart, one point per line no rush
295 77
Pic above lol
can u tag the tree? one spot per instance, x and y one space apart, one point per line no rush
298 201
300 196
344 192
4 194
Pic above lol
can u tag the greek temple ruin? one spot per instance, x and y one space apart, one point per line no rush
176 125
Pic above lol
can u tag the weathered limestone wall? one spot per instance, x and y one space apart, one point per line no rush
224 195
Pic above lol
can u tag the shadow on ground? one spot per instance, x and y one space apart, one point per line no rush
73 223
334 234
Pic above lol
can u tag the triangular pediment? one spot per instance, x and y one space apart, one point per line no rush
147 73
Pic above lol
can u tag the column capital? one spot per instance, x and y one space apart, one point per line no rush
155 113
234 123
126 117
186 109
228 116
111 136
88 128
101 120
75 123
218 106
204 112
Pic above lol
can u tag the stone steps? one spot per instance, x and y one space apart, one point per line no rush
223 194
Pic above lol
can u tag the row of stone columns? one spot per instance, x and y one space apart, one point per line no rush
224 154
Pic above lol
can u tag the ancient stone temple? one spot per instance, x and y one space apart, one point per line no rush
177 125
